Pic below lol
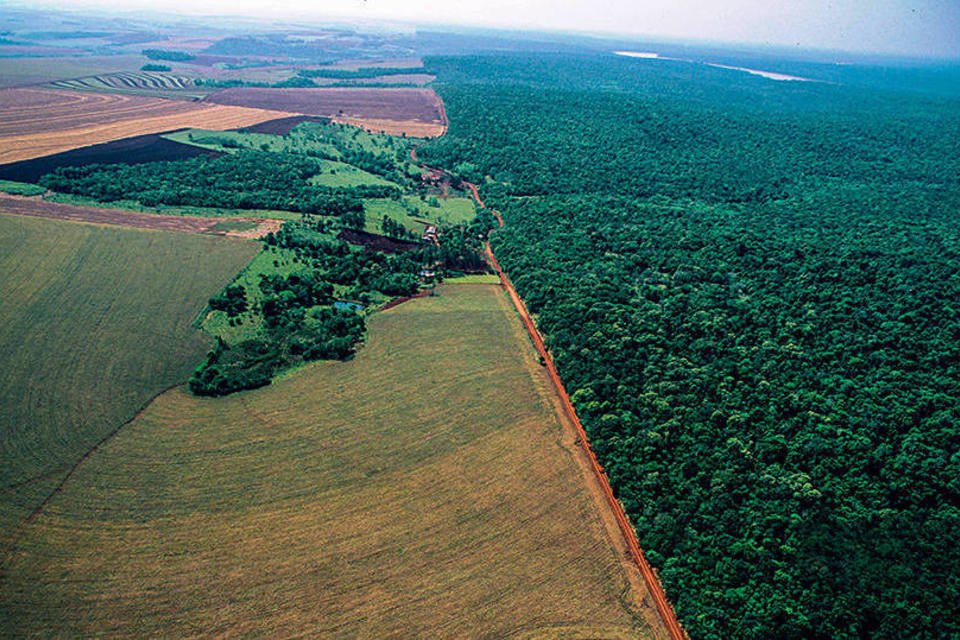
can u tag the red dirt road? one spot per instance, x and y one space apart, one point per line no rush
37 208
649 574
630 536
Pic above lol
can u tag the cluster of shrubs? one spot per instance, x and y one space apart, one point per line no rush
298 323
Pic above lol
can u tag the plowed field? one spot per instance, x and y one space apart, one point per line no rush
416 112
37 122
37 208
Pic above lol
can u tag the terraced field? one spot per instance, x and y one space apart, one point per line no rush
94 321
135 82
423 489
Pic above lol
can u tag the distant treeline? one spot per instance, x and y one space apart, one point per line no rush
164 54
292 82
358 74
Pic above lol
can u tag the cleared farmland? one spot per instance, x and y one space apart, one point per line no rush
412 111
36 122
423 489
25 111
94 321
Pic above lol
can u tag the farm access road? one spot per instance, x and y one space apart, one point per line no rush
36 207
639 560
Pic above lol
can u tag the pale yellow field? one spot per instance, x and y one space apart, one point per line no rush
425 489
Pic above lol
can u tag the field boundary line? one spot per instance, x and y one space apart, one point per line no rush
649 574
13 543
92 450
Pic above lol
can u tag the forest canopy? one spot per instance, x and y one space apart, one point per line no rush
750 288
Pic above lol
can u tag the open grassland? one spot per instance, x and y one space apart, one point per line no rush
36 122
415 112
423 489
336 174
94 321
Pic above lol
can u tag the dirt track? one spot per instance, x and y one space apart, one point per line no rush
633 545
37 208
650 578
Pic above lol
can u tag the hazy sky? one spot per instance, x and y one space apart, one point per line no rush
916 27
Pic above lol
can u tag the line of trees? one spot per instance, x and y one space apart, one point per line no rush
244 180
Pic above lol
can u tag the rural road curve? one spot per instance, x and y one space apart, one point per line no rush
630 536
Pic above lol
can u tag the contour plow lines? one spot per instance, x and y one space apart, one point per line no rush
127 80
630 536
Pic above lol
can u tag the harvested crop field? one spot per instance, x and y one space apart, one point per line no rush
36 208
409 128
39 122
136 150
424 489
414 111
26 111
94 321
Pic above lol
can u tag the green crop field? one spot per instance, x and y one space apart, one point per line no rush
22 71
423 489
94 321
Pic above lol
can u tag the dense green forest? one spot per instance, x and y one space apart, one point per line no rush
750 288
244 180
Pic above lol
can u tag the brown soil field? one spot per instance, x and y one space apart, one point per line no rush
282 126
151 147
414 111
410 128
418 79
38 122
37 208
